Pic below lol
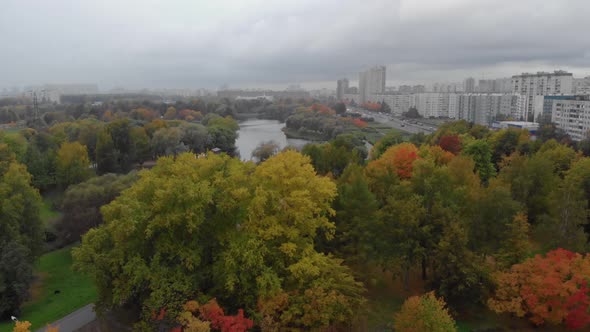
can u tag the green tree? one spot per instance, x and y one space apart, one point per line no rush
106 159
355 208
141 145
21 235
166 141
402 234
72 164
16 276
531 181
195 137
340 108
82 202
493 214
481 153
40 163
459 275
568 214
155 248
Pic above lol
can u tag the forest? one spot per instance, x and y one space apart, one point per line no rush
468 222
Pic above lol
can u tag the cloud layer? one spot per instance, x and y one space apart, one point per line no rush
184 43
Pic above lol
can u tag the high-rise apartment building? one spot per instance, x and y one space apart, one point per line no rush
371 81
469 85
570 113
582 86
541 84
485 86
480 108
342 88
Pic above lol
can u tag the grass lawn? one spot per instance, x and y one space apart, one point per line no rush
11 131
54 273
48 214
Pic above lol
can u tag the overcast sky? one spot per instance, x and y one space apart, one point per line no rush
249 43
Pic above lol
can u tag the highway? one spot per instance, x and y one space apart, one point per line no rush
397 123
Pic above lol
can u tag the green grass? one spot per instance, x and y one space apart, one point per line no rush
11 131
47 212
76 291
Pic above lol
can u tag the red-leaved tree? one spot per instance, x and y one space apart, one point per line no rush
451 143
549 289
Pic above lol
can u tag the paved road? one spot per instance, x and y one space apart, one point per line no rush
398 123
75 320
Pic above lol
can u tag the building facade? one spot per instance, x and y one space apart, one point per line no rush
582 86
572 114
469 85
372 81
341 88
541 84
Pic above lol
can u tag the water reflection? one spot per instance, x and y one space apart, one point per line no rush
255 131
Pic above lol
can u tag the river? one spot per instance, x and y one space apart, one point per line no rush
255 131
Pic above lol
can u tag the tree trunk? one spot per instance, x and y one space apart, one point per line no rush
407 279
424 276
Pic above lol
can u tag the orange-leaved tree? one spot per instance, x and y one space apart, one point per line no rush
25 326
359 123
550 289
424 313
398 158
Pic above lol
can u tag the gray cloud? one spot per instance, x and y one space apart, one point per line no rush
183 43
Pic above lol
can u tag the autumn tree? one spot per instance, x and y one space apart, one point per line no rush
393 137
217 226
547 289
397 160
516 245
451 143
270 240
163 259
424 313
72 164
170 113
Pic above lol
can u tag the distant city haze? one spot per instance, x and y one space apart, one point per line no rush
271 44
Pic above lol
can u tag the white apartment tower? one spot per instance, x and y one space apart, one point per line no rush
469 85
371 81
541 84
342 88
572 114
